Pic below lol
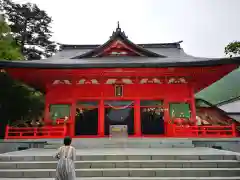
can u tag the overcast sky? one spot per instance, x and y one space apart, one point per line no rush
205 26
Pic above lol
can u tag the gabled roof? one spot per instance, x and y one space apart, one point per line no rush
169 50
138 56
118 45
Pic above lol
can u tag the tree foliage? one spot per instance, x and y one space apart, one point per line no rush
233 49
17 101
9 50
31 29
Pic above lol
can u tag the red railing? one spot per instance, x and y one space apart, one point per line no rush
204 131
35 132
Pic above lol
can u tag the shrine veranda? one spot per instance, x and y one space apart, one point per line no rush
146 88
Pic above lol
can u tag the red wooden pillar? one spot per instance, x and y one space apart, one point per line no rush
193 106
47 118
71 125
137 119
101 121
167 118
46 112
234 129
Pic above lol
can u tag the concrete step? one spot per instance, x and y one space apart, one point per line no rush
125 164
116 157
123 143
125 172
136 178
52 146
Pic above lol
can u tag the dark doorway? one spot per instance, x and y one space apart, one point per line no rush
152 122
86 122
119 113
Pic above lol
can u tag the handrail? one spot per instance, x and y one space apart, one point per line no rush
35 132
204 131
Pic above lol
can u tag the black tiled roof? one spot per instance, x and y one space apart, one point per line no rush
160 55
117 62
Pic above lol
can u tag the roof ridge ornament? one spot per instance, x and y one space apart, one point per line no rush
118 32
118 27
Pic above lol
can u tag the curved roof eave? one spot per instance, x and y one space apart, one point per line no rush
150 63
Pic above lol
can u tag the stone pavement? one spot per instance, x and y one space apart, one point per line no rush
127 151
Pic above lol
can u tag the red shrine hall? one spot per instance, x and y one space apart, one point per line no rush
147 88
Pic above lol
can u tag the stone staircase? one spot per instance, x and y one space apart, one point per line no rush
123 143
127 167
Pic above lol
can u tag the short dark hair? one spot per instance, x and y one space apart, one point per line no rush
67 141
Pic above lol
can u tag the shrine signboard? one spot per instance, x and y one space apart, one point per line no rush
118 131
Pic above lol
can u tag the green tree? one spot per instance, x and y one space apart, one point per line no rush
17 101
233 49
31 29
9 50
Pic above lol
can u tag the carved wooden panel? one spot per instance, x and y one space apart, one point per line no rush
151 81
119 81
87 81
67 82
177 80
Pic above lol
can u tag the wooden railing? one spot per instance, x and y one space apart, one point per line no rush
204 131
35 132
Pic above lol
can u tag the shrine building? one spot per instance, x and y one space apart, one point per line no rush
148 88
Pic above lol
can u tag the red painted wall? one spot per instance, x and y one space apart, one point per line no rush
67 93
59 94
71 93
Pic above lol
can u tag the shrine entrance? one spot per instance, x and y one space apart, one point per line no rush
119 113
152 117
86 118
